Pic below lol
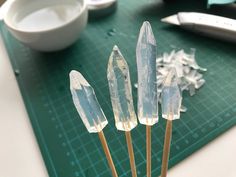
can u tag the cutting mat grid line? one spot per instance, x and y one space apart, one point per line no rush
67 148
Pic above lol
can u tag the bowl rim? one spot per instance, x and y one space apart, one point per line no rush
8 23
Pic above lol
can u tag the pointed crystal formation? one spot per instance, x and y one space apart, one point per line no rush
86 103
171 97
146 65
120 91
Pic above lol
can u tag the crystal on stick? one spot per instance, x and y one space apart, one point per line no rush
171 97
146 65
120 91
86 103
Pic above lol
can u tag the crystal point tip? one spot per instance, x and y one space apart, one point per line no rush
146 23
116 56
77 79
115 48
146 34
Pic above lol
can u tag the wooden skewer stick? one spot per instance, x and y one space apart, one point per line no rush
131 153
166 150
107 153
148 150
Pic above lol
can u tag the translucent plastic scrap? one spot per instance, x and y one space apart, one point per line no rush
146 66
86 103
159 61
120 91
186 68
192 90
200 83
180 57
171 97
179 68
189 73
194 79
190 59
183 108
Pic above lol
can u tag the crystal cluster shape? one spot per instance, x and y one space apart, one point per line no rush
171 97
146 66
86 103
120 91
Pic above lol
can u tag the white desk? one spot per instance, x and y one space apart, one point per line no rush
20 155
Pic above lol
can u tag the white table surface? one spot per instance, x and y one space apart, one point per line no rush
20 155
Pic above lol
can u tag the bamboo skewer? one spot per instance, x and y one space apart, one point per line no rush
171 102
107 153
131 153
147 86
84 97
166 151
148 150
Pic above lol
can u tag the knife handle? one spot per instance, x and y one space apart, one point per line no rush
210 25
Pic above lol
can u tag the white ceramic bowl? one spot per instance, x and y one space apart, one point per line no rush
46 25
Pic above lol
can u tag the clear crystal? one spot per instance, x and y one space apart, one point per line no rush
86 103
120 91
171 97
146 65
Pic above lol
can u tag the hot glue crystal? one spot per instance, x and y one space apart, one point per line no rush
171 97
147 86
120 91
86 103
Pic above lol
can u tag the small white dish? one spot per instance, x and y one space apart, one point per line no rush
45 25
98 4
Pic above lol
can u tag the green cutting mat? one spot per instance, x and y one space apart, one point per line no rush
67 148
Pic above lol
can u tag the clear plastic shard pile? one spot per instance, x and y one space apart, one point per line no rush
146 66
120 91
86 103
171 97
189 73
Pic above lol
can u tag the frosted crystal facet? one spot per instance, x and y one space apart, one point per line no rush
146 65
120 91
86 103
171 97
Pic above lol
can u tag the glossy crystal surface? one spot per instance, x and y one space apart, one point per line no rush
86 103
120 91
146 66
171 97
